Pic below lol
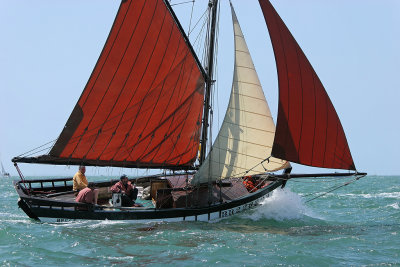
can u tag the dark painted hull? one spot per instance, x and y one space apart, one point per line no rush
46 210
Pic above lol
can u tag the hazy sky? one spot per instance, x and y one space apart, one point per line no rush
49 48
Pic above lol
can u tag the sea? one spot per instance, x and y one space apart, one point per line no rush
355 225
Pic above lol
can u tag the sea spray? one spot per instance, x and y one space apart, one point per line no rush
282 205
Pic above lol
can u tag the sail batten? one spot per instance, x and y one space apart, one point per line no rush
308 130
142 105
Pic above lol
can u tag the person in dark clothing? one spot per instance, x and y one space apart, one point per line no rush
129 192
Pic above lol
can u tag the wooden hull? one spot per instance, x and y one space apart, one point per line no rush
48 210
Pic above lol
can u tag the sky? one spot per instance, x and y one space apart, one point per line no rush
49 48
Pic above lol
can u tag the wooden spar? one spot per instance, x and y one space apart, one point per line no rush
47 159
315 175
210 69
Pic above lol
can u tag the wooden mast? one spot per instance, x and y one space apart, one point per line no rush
210 68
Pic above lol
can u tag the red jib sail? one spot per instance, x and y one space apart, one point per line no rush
142 105
308 129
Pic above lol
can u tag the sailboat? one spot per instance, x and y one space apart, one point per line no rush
147 105
3 171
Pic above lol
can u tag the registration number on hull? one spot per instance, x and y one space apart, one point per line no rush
233 211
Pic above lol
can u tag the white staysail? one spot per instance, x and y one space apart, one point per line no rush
247 132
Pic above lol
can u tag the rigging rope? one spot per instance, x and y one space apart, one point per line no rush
181 3
34 150
190 21
337 187
198 21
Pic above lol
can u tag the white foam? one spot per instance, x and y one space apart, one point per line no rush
394 205
105 223
379 195
282 205
120 258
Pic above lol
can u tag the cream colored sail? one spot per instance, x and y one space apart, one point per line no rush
247 132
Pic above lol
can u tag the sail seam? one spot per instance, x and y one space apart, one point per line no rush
253 169
315 120
184 120
238 153
240 38
245 67
273 25
140 81
243 51
239 167
140 140
243 126
99 74
151 86
250 112
148 95
172 115
245 142
126 80
115 72
336 140
249 96
110 49
302 99
256 84
131 150
131 81
287 136
326 132
131 69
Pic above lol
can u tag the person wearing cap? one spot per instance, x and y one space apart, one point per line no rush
129 192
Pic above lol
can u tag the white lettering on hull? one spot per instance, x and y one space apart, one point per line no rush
233 211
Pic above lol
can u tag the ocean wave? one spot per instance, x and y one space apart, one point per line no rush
16 221
378 195
9 195
9 215
394 205
105 223
118 258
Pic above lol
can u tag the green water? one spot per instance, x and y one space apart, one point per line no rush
357 225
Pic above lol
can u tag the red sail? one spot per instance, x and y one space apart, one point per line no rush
308 129
142 105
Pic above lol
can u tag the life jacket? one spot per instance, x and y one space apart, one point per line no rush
249 183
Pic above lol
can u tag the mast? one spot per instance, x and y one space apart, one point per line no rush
213 4
247 131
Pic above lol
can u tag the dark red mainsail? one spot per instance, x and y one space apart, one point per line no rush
308 129
142 105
